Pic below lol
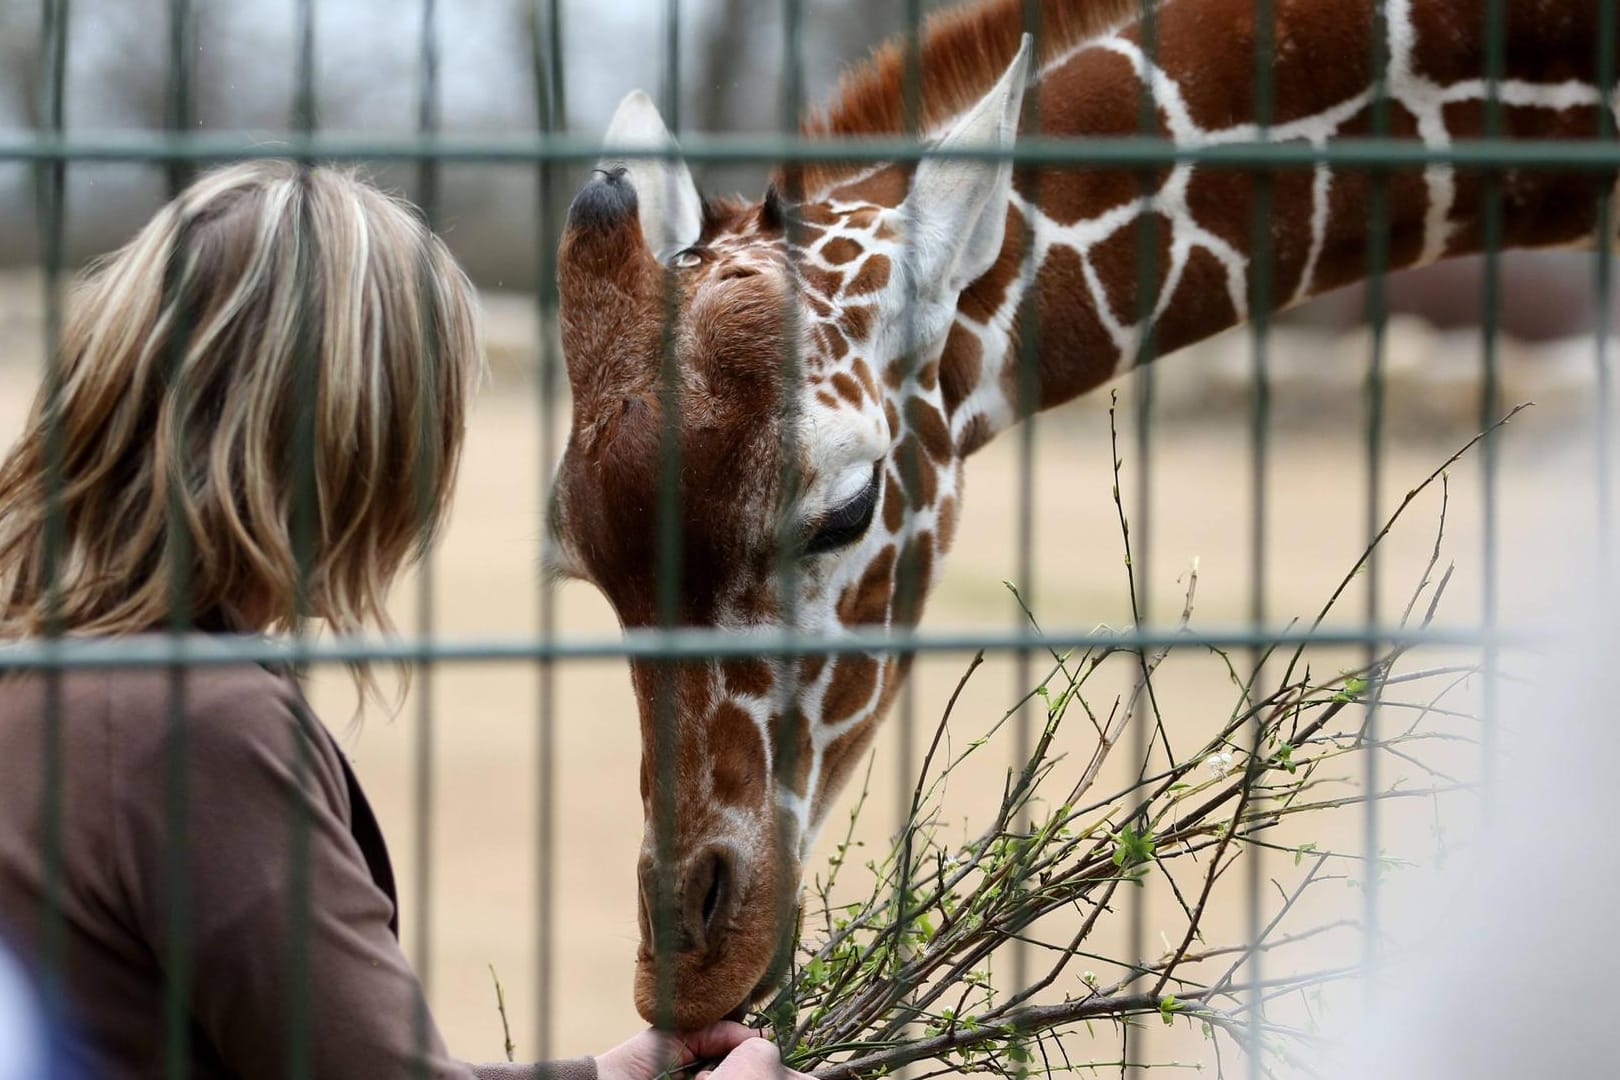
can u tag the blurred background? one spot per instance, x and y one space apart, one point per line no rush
491 883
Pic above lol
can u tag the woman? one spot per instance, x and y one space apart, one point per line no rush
257 422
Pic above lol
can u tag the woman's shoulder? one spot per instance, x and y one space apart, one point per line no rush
245 732
223 710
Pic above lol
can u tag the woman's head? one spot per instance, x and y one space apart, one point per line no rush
256 413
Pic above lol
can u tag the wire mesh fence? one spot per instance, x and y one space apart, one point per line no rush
774 656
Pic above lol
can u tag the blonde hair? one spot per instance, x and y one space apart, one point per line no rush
257 415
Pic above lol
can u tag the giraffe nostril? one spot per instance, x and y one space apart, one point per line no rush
737 273
711 901
709 890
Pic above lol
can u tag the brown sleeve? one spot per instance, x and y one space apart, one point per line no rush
285 934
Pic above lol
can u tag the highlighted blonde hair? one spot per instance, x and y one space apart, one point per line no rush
256 416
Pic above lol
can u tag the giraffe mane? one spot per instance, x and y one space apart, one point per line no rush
964 51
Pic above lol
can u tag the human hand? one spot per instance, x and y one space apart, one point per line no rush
650 1053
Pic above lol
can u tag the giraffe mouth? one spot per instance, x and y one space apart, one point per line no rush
770 981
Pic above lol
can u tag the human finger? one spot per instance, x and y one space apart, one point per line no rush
753 1059
717 1040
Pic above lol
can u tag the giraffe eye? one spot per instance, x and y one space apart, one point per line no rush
689 258
845 524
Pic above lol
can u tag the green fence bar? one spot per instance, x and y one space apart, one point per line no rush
546 73
1370 155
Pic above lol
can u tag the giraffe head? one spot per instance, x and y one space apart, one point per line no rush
791 352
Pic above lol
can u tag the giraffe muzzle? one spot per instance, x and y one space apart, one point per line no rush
711 929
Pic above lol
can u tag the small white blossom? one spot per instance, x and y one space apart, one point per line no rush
1219 763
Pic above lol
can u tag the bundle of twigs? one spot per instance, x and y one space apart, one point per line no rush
904 975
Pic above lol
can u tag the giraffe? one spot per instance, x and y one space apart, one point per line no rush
901 289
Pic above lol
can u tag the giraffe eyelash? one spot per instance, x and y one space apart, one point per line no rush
846 524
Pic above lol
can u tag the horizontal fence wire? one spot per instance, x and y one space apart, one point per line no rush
693 643
1085 152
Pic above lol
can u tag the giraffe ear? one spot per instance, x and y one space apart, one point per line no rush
667 199
957 207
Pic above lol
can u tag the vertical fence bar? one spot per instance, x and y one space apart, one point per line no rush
1147 228
1377 312
1029 179
789 747
1262 270
1490 389
305 521
545 43
664 917
1608 29
913 123
177 960
428 177
51 197
181 110
305 531
304 108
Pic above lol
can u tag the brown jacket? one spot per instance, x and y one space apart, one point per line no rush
273 986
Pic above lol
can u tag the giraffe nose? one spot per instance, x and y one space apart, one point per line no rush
706 896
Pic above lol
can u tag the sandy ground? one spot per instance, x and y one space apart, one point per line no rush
485 859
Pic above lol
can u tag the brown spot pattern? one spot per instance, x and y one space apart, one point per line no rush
947 523
975 433
866 603
961 366
856 321
840 250
852 685
847 388
925 420
984 297
737 755
894 504
917 472
874 275
747 676
913 575
791 749
863 372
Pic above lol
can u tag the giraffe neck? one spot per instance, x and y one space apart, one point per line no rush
1099 305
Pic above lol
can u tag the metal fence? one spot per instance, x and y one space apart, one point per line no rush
179 151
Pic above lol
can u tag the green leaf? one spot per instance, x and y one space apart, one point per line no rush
1132 848
1168 1009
